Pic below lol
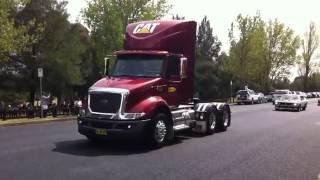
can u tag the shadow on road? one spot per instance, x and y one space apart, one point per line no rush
84 147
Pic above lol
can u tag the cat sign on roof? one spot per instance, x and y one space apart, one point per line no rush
145 28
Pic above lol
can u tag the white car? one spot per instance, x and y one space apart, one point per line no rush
277 94
248 96
291 102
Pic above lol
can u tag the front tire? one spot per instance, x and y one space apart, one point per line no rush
160 131
305 107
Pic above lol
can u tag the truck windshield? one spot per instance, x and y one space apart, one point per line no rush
139 66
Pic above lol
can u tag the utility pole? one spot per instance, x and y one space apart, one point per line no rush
230 91
40 75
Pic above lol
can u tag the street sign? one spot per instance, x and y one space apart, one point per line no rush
40 72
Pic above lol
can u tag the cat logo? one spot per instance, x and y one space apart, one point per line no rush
145 28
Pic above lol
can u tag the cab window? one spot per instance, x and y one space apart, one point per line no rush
173 66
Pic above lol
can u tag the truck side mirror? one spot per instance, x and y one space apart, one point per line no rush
183 67
106 66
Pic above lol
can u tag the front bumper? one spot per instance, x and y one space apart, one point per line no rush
287 107
115 129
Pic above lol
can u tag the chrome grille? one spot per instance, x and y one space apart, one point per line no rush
104 102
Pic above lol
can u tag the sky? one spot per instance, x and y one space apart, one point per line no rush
296 14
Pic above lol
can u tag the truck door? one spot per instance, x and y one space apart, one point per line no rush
173 81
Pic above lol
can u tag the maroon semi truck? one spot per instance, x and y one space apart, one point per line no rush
149 93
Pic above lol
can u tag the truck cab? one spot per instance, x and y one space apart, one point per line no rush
149 93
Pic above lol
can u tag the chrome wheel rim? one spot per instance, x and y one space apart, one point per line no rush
160 131
212 121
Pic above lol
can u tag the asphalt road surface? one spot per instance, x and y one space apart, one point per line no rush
260 144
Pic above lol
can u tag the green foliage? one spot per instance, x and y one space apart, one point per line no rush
281 49
63 50
108 19
310 43
210 75
13 39
178 17
263 53
208 46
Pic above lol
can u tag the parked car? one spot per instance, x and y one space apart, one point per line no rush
291 102
269 96
247 96
314 94
309 95
262 98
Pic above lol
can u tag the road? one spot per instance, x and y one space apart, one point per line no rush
260 144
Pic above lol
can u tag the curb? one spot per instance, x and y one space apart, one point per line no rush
35 121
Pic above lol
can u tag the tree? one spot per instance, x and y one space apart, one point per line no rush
108 19
310 43
281 49
263 53
246 52
207 65
13 39
178 17
208 46
59 49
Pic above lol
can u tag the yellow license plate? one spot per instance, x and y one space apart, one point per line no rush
102 132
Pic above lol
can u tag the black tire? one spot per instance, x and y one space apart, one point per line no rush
252 101
305 107
157 136
211 121
298 109
224 120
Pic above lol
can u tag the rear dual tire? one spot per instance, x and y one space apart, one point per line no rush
218 121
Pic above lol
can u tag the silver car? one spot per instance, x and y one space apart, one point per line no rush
291 102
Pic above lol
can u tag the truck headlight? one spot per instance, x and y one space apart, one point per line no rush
128 116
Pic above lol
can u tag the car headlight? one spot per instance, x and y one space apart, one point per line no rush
295 104
128 116
276 103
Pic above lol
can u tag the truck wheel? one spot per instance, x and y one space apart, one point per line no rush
160 129
211 122
224 120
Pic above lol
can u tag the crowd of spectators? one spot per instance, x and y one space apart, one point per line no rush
29 110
